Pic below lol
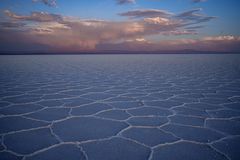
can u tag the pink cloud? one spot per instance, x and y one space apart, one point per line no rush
215 43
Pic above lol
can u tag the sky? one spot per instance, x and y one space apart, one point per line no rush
54 26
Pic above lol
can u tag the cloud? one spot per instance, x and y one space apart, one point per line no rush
160 21
134 1
194 16
190 17
11 25
222 38
189 13
59 33
50 3
35 16
125 1
197 1
157 20
214 43
181 32
145 13
73 34
195 27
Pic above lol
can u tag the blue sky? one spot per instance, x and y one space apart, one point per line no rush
213 20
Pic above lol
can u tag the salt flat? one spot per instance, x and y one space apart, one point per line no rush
120 107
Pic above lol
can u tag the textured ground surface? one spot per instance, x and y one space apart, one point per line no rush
135 107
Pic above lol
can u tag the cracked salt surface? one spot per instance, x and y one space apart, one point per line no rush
127 107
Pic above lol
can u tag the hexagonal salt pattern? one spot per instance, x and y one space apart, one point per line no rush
27 142
120 107
60 152
116 148
187 150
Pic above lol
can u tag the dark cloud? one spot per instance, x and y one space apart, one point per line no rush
145 13
125 1
193 16
50 3
195 27
11 25
189 13
197 1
